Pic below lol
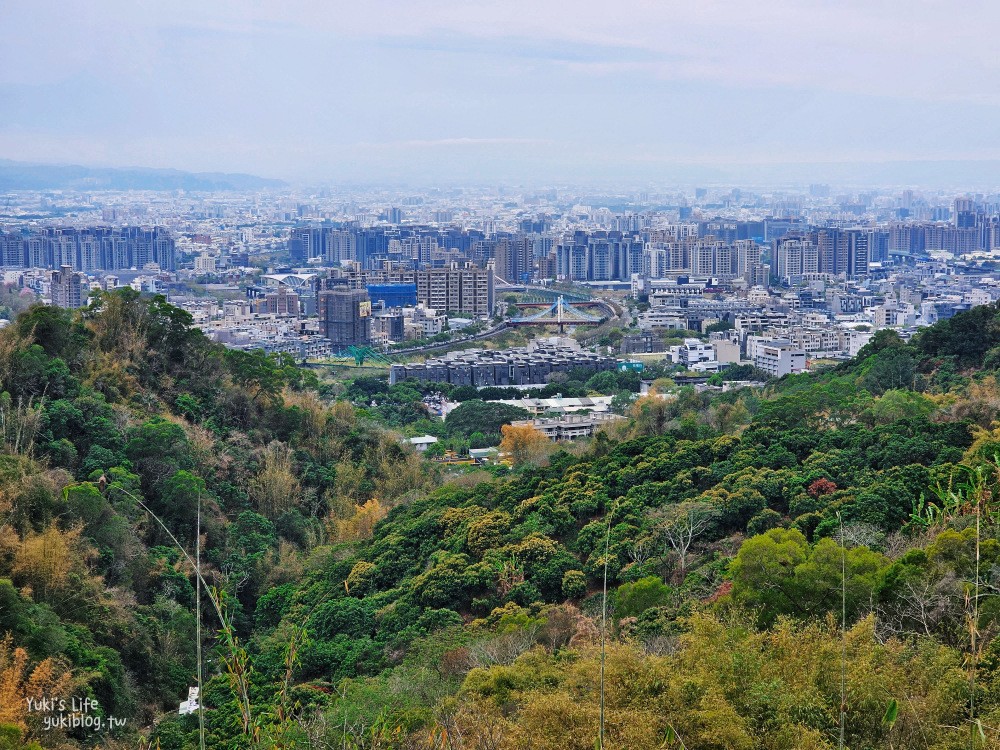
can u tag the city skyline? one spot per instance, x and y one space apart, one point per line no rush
540 92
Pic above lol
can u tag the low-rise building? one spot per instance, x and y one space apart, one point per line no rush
779 357
532 365
561 405
423 442
691 352
643 343
427 320
570 426
856 340
726 351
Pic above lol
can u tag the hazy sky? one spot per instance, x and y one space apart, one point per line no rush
533 89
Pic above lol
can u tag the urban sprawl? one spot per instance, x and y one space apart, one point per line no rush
702 278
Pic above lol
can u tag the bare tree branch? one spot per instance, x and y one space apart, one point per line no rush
682 524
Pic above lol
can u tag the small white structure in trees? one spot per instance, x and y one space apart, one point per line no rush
191 704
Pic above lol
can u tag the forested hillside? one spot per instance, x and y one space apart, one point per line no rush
782 565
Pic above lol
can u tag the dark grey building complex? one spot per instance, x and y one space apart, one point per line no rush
345 316
643 343
90 249
479 367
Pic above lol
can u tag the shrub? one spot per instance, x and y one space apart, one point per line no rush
574 584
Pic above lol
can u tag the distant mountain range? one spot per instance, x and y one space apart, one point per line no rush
16 175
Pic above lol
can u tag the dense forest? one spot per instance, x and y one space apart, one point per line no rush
810 565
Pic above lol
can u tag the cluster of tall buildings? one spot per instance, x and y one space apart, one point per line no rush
346 304
722 250
603 246
89 249
467 289
372 247
348 298
845 253
599 256
848 252
523 256
918 238
513 255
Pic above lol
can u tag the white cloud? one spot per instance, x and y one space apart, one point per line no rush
449 142
313 84
923 48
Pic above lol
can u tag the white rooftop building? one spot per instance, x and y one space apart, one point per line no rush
423 442
779 357
692 352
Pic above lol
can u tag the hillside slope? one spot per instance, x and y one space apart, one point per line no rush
356 596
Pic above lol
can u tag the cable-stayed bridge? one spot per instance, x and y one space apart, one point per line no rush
560 313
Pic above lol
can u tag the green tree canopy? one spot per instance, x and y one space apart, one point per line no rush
781 572
482 416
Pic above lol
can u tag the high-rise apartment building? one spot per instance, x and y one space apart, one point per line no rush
305 243
795 257
333 244
858 253
749 263
339 245
965 213
12 250
66 288
513 256
878 245
843 252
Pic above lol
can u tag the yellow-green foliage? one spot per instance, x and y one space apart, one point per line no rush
725 687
